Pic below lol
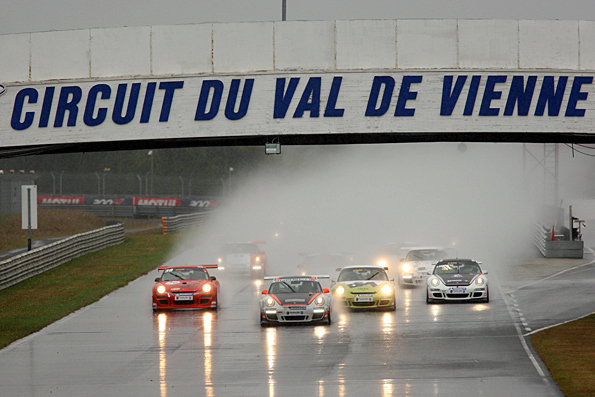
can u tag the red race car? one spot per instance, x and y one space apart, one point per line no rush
185 287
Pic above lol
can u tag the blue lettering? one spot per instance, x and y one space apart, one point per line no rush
521 94
119 105
233 96
88 118
70 96
145 114
489 95
331 106
48 98
472 95
17 109
312 90
450 96
389 85
406 95
201 112
577 95
282 97
170 87
552 97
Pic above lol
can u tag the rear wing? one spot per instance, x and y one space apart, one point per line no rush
163 267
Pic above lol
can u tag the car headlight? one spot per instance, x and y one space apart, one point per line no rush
340 290
319 301
257 259
219 260
381 263
435 282
161 289
387 289
206 288
270 302
480 281
406 267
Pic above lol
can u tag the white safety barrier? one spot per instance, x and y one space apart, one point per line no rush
23 266
175 223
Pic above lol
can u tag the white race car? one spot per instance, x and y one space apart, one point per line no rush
295 299
457 280
418 263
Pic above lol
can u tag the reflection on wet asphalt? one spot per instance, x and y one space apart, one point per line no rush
118 346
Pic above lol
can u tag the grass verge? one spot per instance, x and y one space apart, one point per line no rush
41 300
568 352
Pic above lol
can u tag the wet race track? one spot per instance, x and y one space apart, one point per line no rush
118 346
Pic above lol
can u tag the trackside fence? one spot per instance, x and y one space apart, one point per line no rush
31 263
180 222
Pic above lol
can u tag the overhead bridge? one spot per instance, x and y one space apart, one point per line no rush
297 83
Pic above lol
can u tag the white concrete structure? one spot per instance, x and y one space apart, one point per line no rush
444 76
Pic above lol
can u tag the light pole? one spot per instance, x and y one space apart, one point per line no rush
230 171
151 154
284 10
105 170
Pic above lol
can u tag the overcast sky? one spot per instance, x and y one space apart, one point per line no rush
20 16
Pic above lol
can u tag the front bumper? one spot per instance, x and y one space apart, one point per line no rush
412 278
377 301
288 315
458 293
198 301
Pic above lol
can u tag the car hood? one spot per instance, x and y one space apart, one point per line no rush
298 298
183 286
363 285
457 279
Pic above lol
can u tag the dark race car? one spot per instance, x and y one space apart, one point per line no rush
295 299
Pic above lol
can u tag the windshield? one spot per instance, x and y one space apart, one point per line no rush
241 248
295 286
362 273
184 273
426 255
458 268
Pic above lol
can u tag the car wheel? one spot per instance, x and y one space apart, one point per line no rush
329 321
487 296
428 300
216 304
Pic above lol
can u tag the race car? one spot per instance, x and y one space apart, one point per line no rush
364 287
295 299
457 280
185 287
418 263
243 259
390 255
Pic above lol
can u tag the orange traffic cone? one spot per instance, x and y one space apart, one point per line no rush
553 234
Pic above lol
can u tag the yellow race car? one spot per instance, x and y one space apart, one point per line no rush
364 287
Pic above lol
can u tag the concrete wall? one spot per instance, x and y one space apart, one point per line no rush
219 48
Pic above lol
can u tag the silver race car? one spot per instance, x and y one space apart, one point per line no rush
295 299
457 280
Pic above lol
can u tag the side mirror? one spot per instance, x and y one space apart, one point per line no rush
385 267
261 252
158 279
326 290
402 260
333 281
265 291
213 278
391 279
485 272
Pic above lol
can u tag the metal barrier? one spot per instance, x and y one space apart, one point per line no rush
23 266
558 247
175 223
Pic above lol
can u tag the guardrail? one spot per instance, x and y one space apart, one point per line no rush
180 222
540 234
31 263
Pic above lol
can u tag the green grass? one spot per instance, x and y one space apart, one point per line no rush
41 300
568 352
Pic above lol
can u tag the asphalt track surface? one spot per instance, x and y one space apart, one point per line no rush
118 346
